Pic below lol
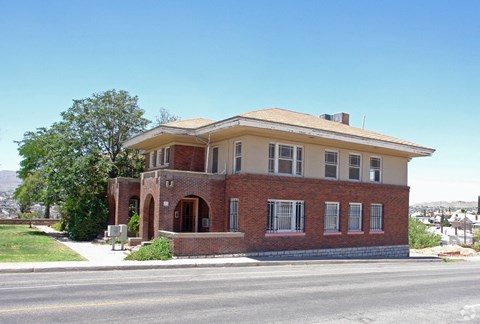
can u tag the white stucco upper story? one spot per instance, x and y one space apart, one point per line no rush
281 142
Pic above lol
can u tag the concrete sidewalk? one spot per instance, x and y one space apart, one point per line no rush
101 257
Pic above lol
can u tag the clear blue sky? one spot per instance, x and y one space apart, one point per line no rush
411 67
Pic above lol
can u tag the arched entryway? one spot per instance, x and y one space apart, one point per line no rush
148 218
191 215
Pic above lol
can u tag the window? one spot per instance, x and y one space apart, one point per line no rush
376 218
331 164
237 162
151 161
375 167
132 207
166 156
215 160
332 221
285 216
233 223
354 167
285 159
159 157
355 218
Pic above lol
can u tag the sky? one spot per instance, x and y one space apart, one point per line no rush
412 68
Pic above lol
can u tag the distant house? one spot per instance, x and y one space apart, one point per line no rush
269 182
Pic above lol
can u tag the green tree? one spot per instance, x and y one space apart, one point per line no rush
419 237
164 116
70 163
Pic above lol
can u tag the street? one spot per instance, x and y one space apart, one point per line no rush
333 293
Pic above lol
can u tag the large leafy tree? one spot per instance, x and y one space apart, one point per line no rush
70 163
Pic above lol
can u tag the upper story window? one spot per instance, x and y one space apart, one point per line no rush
375 169
151 160
285 216
237 161
354 167
285 159
159 157
166 156
215 160
331 164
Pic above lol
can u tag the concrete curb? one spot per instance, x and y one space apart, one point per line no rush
76 268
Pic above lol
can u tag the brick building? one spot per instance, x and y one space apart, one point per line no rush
269 182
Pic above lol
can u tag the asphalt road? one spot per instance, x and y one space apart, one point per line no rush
344 293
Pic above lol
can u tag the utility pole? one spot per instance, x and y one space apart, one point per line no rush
464 211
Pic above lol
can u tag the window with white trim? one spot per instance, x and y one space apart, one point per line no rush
332 217
285 159
286 216
159 157
237 161
355 217
233 215
331 164
166 156
151 160
376 218
215 160
354 166
375 169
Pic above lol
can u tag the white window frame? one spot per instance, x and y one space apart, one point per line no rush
327 218
297 164
166 155
159 157
233 215
376 218
297 216
355 219
215 161
151 160
237 156
330 164
350 167
373 170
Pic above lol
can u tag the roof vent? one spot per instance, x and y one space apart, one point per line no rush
342 118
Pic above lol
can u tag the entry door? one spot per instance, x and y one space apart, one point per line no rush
188 216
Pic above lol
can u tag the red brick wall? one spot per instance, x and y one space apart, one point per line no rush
120 191
253 192
208 246
187 158
210 188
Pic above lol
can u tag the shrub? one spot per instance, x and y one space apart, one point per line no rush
58 227
86 217
134 224
476 235
419 237
160 249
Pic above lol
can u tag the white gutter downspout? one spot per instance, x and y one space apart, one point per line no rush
208 150
208 154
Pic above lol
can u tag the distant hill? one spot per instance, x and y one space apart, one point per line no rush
446 204
9 180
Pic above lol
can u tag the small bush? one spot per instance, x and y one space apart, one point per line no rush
160 249
419 237
134 224
58 227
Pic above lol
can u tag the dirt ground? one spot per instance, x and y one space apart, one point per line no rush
453 250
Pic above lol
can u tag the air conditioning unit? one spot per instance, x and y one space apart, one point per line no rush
113 231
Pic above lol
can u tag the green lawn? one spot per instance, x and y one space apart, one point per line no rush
24 244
